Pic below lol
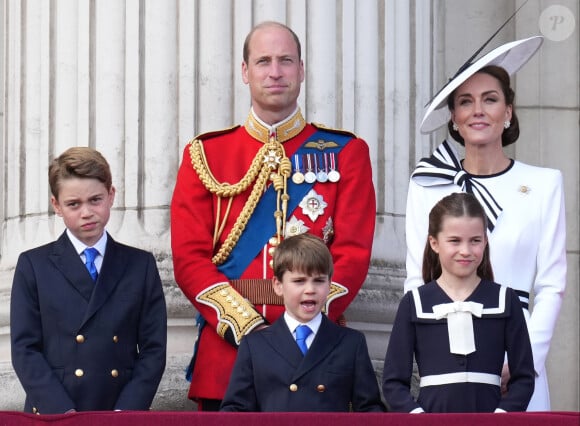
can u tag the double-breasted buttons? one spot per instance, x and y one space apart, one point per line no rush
320 388
79 372
114 373
80 338
293 387
115 339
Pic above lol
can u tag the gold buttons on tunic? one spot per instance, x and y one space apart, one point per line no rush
293 387
79 372
34 410
80 338
273 241
114 373
115 339
320 388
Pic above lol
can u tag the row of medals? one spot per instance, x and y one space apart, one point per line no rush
315 167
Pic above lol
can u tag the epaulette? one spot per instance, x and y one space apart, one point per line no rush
330 129
209 135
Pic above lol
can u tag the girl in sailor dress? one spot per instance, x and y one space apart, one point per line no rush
459 325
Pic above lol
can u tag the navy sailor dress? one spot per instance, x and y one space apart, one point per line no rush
452 382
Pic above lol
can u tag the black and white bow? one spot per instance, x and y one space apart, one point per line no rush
444 167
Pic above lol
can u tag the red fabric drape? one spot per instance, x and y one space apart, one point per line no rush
168 418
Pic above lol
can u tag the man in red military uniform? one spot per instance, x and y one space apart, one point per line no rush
240 191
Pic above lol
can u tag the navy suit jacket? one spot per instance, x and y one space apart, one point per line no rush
82 345
271 374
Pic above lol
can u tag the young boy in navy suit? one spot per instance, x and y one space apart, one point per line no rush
271 372
88 330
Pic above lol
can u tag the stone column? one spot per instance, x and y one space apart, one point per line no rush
137 80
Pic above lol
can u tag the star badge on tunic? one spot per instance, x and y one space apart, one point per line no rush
313 205
272 159
295 227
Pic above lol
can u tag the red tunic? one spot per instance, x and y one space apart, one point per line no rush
350 207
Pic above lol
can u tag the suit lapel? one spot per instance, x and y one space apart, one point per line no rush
328 336
112 269
68 262
282 341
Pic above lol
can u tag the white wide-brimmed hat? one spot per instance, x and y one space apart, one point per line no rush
510 56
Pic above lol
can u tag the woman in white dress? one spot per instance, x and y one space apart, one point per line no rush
524 203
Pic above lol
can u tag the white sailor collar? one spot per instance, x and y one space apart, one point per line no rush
492 296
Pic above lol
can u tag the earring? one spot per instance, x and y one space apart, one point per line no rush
506 124
455 127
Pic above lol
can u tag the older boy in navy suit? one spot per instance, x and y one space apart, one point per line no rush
279 368
87 316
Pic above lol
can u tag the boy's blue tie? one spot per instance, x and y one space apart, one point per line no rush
90 255
302 332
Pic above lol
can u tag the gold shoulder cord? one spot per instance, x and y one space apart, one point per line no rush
271 163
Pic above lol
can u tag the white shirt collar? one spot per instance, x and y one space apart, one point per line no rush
292 323
80 246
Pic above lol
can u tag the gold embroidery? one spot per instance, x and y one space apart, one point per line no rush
290 128
321 145
336 291
234 312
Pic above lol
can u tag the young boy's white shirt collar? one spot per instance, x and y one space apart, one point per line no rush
313 324
80 247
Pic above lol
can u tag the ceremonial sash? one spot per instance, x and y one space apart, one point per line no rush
261 225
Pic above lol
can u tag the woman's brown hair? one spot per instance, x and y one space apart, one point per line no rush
512 133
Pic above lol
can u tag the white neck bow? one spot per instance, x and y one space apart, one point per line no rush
459 324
